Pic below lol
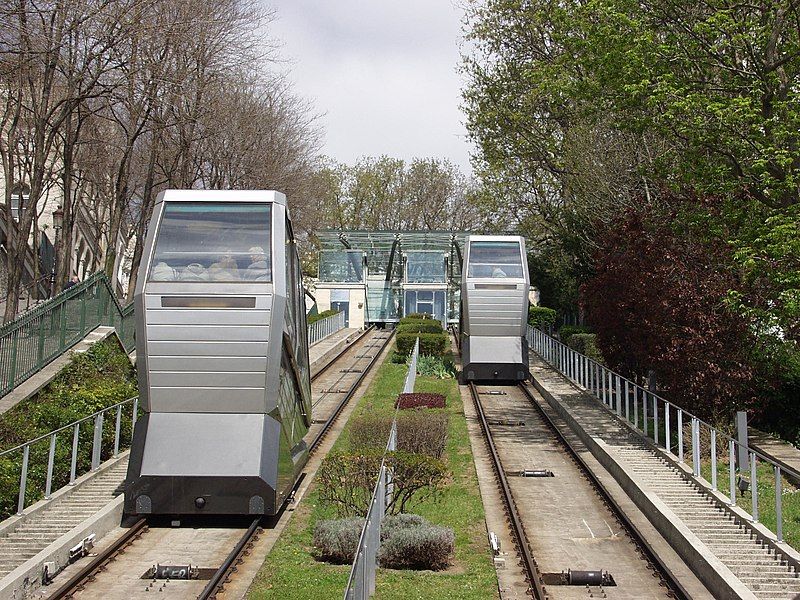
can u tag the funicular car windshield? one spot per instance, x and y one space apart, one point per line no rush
495 260
213 241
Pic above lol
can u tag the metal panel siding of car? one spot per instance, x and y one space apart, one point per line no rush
222 349
490 314
206 400
203 444
182 316
495 349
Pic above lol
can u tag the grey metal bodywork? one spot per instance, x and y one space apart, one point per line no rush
494 315
225 390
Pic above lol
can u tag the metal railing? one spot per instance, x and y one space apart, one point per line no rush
361 583
85 446
319 330
667 425
30 342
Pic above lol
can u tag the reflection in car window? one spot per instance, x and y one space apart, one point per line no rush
213 241
495 260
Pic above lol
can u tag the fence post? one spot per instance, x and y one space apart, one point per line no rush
714 459
696 447
754 486
50 464
12 378
680 435
732 470
23 479
667 438
778 503
116 430
74 460
134 415
97 441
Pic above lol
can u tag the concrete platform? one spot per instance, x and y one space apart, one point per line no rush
323 351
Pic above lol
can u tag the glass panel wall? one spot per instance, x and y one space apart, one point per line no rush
341 266
425 267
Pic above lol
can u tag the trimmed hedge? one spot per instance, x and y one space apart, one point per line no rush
428 326
420 400
567 331
418 316
586 343
432 344
541 317
323 315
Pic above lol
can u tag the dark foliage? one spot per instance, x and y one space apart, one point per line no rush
565 332
432 344
421 400
657 302
323 315
541 317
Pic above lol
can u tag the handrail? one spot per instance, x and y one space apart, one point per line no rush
38 336
319 330
616 392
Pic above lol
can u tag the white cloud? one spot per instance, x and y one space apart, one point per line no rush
384 73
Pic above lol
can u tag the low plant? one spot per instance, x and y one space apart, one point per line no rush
422 326
586 343
369 431
346 480
414 545
423 431
323 315
565 332
336 540
431 344
417 316
441 367
420 400
541 317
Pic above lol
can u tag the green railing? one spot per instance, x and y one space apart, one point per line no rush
37 337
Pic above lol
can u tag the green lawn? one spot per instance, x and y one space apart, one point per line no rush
291 572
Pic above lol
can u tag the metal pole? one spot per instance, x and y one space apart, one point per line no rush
667 440
732 470
117 425
754 486
680 435
655 419
636 407
23 479
74 460
50 463
619 395
133 416
627 401
696 447
97 441
644 410
778 503
714 459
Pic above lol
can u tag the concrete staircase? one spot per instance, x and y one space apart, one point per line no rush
46 525
768 576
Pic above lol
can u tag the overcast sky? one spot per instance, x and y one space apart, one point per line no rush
383 72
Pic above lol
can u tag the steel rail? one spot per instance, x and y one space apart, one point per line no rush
219 579
342 352
532 573
350 393
676 587
77 581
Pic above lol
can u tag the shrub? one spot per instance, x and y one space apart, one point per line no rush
586 343
336 540
428 326
541 317
420 400
432 344
422 316
567 331
393 523
436 366
421 546
323 315
346 480
423 432
369 431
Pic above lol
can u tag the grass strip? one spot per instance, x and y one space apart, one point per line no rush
291 572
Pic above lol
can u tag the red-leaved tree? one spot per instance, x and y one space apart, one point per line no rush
656 302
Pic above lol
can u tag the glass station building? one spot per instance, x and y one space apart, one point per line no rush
380 276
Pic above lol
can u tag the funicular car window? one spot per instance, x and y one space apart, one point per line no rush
213 241
495 260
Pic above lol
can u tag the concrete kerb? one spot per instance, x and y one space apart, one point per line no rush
11 524
27 578
711 571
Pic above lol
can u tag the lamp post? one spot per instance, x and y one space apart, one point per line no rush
58 223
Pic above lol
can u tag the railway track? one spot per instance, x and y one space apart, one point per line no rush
575 528
114 572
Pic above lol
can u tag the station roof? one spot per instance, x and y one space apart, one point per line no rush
339 239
